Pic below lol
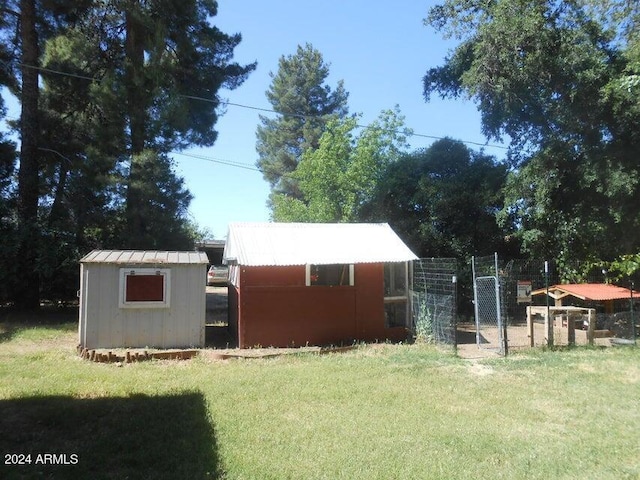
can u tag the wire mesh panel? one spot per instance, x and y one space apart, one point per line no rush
518 279
433 298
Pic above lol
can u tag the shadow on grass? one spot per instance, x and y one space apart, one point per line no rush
49 315
7 332
124 437
13 320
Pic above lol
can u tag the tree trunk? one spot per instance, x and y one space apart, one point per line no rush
27 295
136 95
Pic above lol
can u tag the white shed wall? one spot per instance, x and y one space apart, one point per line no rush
103 324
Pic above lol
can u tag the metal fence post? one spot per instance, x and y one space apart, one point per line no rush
549 321
502 326
633 320
475 299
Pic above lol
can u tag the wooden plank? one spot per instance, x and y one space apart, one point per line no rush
591 316
602 334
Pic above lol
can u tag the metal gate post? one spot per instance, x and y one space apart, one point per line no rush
502 326
633 320
475 299
550 322
454 320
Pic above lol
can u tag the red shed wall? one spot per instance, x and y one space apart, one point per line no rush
273 307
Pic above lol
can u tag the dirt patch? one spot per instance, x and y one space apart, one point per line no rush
473 352
229 353
480 369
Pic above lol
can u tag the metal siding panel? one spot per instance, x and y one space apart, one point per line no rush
200 302
296 316
194 314
174 328
116 326
82 306
109 322
185 323
92 307
190 312
131 330
156 320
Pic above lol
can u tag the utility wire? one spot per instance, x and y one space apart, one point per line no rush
57 72
218 160
251 107
306 116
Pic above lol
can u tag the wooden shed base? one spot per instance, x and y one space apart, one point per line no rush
103 356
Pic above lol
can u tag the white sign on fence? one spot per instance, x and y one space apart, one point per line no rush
524 291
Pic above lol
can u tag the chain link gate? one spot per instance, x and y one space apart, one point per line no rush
491 332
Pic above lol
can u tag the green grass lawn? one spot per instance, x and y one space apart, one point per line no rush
376 412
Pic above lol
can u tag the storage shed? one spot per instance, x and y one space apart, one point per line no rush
296 284
142 299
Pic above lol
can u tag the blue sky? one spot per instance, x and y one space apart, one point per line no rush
381 50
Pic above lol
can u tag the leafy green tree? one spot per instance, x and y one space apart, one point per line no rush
559 80
443 201
336 179
305 103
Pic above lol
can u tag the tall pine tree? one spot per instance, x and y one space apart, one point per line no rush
157 67
305 103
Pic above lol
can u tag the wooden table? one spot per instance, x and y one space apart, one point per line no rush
565 314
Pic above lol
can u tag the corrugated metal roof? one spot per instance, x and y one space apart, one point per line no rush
262 244
144 257
588 291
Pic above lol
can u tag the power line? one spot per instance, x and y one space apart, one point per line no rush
57 72
219 160
306 116
252 107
